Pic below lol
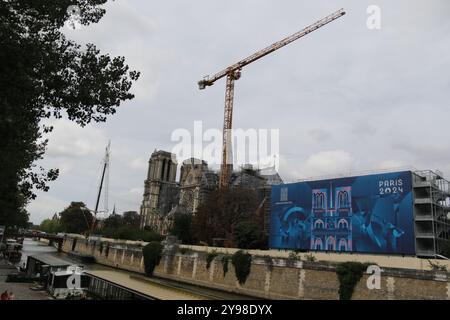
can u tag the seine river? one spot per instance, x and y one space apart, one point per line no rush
31 247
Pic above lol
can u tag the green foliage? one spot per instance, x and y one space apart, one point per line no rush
44 75
126 227
76 218
223 210
242 262
131 218
127 232
293 256
114 221
152 256
210 257
310 257
436 266
225 261
50 226
349 274
248 235
182 228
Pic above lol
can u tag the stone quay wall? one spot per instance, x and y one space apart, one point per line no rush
272 276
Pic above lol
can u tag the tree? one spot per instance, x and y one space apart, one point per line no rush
152 256
114 221
126 227
132 218
50 226
43 75
224 209
248 235
76 218
182 228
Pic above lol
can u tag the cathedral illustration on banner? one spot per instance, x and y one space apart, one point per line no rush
331 213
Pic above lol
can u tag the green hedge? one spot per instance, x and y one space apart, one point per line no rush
225 260
152 256
209 258
242 262
349 274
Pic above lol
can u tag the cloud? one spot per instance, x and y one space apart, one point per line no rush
319 135
138 164
328 163
72 141
44 207
391 164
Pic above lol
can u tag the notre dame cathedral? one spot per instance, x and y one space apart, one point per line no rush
164 197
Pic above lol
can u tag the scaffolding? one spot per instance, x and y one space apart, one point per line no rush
431 212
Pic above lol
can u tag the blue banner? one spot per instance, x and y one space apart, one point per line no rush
366 214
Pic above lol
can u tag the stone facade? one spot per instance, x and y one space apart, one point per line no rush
160 191
164 197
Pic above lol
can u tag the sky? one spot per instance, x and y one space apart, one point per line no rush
345 98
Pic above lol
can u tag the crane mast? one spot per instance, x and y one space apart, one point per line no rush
233 73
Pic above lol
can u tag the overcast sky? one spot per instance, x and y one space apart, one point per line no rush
345 98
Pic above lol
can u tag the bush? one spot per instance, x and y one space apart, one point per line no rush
210 257
182 228
50 226
152 256
242 262
225 260
248 235
349 274
310 257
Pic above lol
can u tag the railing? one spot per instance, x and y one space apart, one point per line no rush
352 174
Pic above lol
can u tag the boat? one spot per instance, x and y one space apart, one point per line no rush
13 250
69 283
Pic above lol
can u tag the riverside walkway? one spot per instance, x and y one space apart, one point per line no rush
21 291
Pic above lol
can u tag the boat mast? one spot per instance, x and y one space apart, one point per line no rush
105 167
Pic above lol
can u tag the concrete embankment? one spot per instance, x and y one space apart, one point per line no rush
274 274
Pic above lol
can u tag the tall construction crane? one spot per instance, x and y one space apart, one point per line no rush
233 73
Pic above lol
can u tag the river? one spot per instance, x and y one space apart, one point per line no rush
31 247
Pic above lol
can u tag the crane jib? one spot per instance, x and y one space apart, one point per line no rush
277 45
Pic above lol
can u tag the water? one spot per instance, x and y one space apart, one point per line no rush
31 247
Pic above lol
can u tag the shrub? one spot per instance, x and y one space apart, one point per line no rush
293 256
437 266
242 262
182 228
225 260
152 256
349 274
209 258
310 257
248 235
